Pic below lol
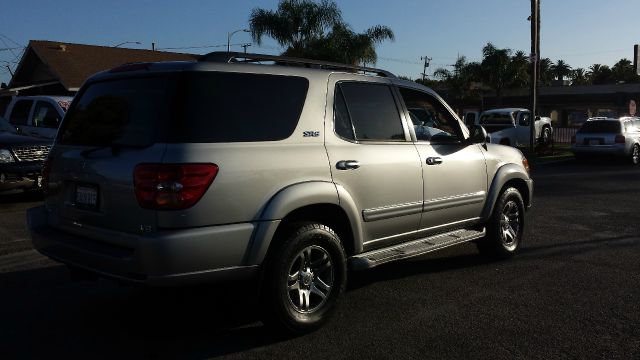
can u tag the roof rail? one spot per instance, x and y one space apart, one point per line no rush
237 57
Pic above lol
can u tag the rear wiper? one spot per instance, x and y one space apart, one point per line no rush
115 148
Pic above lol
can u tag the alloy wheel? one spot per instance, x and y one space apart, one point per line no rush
510 226
310 279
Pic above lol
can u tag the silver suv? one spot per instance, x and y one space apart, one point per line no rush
284 171
608 136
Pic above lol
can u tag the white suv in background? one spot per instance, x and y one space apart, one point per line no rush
38 116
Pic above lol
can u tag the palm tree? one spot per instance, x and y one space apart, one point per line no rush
545 73
316 30
600 74
560 69
346 46
295 24
520 70
496 69
623 71
579 77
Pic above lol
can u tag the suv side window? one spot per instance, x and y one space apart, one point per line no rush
20 113
431 120
45 115
371 110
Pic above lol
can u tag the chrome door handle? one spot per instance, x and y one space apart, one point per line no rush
347 164
434 161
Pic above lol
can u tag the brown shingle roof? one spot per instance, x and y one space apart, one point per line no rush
72 64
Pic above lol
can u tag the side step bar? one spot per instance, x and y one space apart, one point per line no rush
370 259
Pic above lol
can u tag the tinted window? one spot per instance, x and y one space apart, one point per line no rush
20 112
600 127
431 119
45 115
129 111
496 119
525 119
343 126
234 107
373 111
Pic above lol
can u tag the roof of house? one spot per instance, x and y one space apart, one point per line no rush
72 64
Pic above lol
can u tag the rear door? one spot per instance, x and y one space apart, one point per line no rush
113 126
373 159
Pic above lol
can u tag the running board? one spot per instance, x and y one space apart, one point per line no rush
370 259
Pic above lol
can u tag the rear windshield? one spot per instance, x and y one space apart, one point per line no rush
496 119
188 107
600 127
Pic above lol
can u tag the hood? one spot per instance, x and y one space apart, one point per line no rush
11 139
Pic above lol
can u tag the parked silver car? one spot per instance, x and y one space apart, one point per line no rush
287 174
608 136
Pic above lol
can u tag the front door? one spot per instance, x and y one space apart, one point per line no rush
373 159
454 171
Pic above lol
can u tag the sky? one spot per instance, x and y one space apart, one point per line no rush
580 32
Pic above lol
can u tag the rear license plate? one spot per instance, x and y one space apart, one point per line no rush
87 196
594 142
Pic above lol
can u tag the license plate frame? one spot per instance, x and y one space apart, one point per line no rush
87 196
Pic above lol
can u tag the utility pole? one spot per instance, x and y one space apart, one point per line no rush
535 68
427 60
245 46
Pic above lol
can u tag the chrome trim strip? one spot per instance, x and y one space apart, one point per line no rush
388 212
454 201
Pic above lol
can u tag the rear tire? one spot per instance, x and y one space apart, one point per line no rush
305 278
505 227
545 137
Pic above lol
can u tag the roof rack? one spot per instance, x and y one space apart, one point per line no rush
236 57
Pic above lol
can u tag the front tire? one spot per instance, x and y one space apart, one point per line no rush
505 227
304 279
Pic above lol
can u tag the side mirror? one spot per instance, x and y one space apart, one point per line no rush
478 135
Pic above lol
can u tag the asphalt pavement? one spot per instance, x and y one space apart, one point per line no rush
572 293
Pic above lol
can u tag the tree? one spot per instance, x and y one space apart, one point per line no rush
600 74
496 69
579 77
316 30
545 75
560 69
520 70
346 46
459 81
295 24
623 71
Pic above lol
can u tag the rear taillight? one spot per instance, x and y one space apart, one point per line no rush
46 172
619 139
172 186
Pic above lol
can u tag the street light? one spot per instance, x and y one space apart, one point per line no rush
230 35
128 42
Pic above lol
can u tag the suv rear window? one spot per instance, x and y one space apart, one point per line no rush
600 127
189 107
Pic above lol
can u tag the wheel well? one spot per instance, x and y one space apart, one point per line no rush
330 215
522 188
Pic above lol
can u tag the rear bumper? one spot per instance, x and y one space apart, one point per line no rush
18 176
610 150
166 258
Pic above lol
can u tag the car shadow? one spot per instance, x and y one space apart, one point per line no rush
45 315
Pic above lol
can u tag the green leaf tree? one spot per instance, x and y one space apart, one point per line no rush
316 30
